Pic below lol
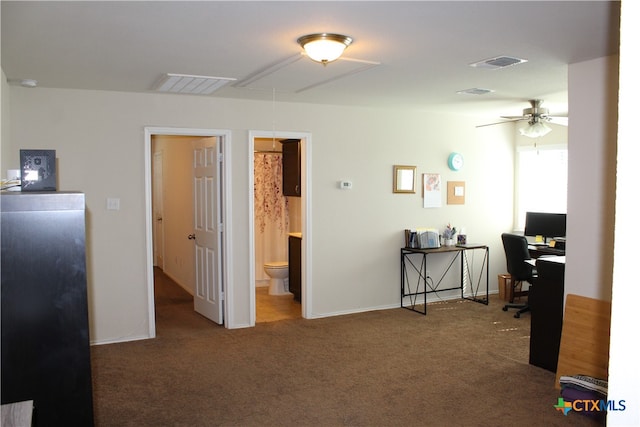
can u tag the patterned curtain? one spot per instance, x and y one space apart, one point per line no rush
269 203
271 212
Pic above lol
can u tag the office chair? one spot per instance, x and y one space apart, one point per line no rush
516 249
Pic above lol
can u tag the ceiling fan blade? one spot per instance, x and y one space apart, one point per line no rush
559 120
496 123
534 114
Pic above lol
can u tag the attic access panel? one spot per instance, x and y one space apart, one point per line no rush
299 73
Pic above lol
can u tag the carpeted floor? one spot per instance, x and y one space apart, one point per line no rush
464 364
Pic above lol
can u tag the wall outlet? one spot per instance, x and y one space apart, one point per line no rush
113 204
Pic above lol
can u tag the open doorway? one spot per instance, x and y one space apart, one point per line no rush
202 152
271 238
277 216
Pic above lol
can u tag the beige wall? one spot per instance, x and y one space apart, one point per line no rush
592 171
99 138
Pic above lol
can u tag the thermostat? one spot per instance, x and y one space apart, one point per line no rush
346 185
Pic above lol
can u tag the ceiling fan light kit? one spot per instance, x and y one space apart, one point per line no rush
535 129
324 47
536 116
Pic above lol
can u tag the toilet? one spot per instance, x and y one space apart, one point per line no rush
278 271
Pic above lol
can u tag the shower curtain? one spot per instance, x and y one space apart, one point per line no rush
271 212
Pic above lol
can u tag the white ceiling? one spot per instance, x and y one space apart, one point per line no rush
424 48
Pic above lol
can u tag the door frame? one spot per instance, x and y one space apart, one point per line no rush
306 296
158 243
224 139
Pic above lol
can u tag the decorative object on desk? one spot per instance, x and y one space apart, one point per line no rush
422 238
462 239
455 161
431 189
404 179
455 192
448 234
13 182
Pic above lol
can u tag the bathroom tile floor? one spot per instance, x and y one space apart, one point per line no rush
271 308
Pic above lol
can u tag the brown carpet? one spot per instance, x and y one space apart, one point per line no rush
464 364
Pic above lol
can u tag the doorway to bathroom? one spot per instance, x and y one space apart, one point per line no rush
276 217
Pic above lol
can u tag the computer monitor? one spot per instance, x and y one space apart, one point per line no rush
547 225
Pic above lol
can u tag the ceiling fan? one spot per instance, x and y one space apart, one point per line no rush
536 116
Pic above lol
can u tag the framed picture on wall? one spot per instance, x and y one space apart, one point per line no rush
432 190
404 179
38 170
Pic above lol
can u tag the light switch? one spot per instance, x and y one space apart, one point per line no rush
113 204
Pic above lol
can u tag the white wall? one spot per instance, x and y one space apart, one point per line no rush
99 138
593 104
624 352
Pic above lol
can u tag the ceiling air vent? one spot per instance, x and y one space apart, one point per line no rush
194 85
498 62
474 91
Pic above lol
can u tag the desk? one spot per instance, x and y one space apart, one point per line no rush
536 251
425 285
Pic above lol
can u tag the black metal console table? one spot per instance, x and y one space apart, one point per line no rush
417 259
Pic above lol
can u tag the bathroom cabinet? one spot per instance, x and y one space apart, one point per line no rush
45 327
295 266
291 167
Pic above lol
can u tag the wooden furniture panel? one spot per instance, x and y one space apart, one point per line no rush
291 179
45 327
584 346
295 267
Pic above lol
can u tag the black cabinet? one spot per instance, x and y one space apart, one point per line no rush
546 301
45 329
291 167
295 267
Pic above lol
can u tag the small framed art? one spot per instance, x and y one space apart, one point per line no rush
38 170
404 179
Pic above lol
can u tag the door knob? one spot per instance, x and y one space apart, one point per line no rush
191 237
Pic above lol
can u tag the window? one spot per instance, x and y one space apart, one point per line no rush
541 181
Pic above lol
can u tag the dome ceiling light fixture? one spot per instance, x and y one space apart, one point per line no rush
324 47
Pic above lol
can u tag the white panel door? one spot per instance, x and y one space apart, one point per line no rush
207 228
